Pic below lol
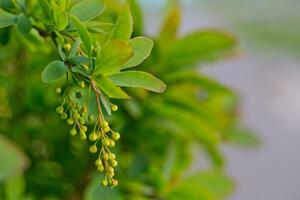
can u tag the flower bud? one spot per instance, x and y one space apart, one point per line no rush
81 84
100 168
81 121
104 183
114 107
106 142
93 149
70 121
64 116
98 162
112 156
106 129
76 115
112 143
67 47
114 163
115 136
60 110
93 136
114 182
58 90
73 132
91 118
104 124
105 156
82 135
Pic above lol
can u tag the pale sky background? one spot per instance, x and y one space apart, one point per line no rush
267 78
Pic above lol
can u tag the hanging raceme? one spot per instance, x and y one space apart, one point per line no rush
88 71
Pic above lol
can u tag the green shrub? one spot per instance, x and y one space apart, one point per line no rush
86 51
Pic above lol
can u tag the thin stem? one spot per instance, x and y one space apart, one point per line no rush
100 114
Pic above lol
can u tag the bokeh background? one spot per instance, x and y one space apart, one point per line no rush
266 75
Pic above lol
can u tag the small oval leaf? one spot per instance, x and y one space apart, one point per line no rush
138 79
54 71
23 24
142 47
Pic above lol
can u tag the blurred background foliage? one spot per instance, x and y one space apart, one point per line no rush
160 134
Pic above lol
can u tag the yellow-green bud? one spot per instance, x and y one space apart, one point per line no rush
76 115
98 162
105 156
73 132
100 168
82 135
84 109
64 116
114 182
114 163
91 118
93 149
115 136
84 128
104 183
58 90
111 174
82 84
81 121
70 121
106 142
67 47
60 110
93 136
114 107
112 143
110 170
112 156
104 124
106 129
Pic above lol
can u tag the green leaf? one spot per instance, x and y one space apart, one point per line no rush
211 185
106 104
172 21
46 8
80 70
7 19
138 79
190 191
13 160
194 126
93 192
241 137
83 34
61 52
214 181
113 56
23 24
199 46
75 60
109 88
59 38
123 27
60 17
55 70
87 10
74 48
137 17
14 188
215 155
141 50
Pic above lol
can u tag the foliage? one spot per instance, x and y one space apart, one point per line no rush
86 50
